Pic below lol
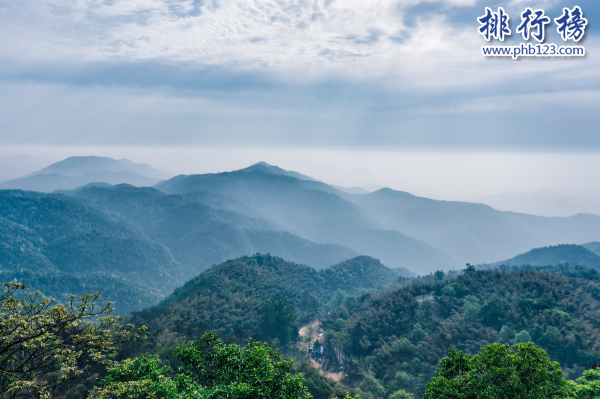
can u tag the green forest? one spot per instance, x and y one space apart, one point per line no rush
62 247
353 329
233 332
392 330
261 296
400 341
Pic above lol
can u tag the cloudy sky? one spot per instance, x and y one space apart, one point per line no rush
395 92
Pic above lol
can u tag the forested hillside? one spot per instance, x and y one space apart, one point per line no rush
262 296
52 238
401 229
380 331
400 340
392 339
593 246
200 234
126 294
561 269
206 219
314 211
572 255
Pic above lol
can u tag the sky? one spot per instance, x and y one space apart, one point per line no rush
394 93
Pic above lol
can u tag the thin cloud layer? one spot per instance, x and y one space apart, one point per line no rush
245 34
299 72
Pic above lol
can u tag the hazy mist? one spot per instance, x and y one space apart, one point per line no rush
468 176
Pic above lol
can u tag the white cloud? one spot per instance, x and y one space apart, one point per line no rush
366 75
306 39
281 35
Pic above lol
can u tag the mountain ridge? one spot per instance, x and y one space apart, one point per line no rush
74 172
471 232
317 212
200 235
565 254
80 165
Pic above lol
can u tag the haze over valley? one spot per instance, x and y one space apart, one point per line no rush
176 228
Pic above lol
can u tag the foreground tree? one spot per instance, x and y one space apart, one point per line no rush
498 372
47 348
587 386
143 378
211 370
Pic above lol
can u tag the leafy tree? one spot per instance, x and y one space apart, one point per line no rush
448 291
418 332
47 348
587 386
496 372
404 380
439 275
140 378
370 385
401 394
522 337
506 334
404 346
493 310
278 319
471 307
401 381
211 369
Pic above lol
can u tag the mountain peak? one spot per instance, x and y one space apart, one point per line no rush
78 171
81 165
275 170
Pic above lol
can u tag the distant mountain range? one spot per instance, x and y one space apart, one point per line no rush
74 172
161 236
314 211
470 232
401 229
200 235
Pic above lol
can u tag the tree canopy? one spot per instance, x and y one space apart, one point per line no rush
46 348
211 369
498 371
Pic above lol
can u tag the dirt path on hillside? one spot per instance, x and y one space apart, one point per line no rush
317 330
318 335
